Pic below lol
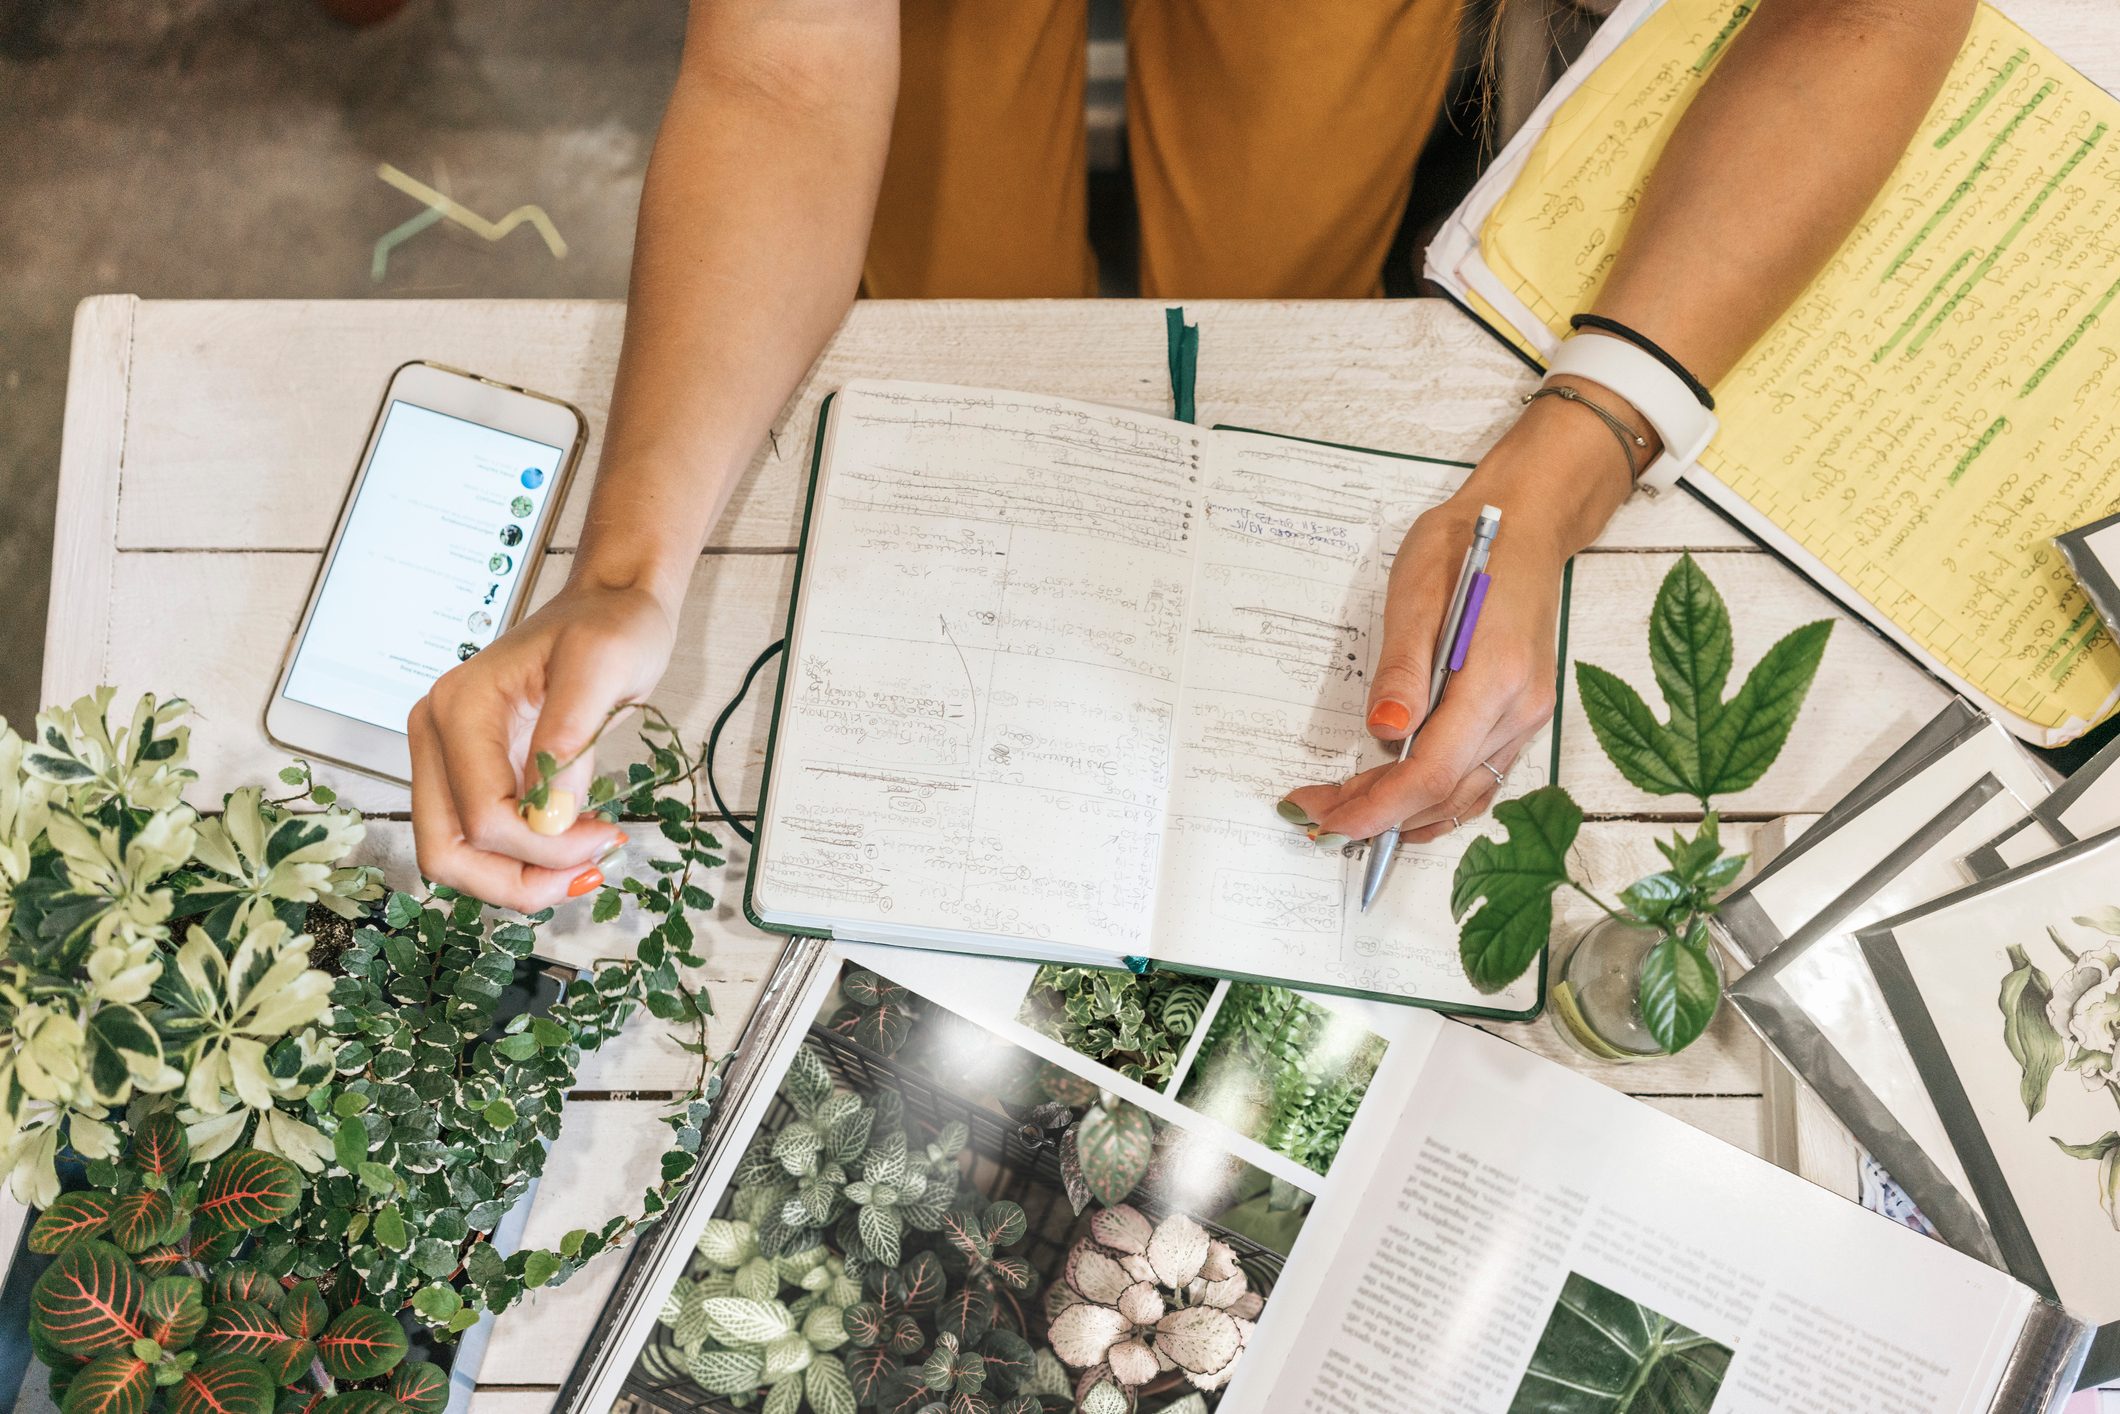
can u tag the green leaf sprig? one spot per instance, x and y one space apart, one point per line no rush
1502 892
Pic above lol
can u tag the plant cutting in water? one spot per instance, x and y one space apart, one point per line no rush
1502 893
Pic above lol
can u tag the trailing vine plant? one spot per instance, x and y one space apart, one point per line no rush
276 1152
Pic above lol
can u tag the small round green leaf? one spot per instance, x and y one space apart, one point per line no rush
1679 992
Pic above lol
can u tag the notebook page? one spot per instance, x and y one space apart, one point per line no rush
1939 402
975 734
1296 542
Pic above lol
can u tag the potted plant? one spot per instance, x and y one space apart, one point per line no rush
1644 980
292 1101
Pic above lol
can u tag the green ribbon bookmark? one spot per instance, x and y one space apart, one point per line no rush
1184 360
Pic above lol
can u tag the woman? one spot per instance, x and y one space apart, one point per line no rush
1272 156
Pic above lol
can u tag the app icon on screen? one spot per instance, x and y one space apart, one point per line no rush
500 563
532 478
479 621
491 590
511 534
520 507
465 650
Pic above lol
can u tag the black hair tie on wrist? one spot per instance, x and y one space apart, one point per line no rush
1649 346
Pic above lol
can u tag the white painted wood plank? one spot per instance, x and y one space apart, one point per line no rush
488 1399
84 540
247 415
1733 1119
2084 32
607 1154
212 627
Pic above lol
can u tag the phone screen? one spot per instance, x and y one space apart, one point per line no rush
429 563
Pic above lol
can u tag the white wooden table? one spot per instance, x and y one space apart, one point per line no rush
208 445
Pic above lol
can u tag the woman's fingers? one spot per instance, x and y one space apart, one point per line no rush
447 857
478 728
1448 746
1423 575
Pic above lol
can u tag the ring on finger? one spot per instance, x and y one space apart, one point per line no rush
1456 824
1500 778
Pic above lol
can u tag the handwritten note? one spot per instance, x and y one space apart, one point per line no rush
1945 397
1294 555
977 726
1054 665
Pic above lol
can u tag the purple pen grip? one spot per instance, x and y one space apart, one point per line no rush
1474 597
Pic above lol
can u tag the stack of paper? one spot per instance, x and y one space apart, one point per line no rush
1865 950
1930 412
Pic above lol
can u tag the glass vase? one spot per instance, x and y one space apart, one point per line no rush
1596 1003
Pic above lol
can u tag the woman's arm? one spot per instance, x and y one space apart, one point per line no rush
1783 149
753 221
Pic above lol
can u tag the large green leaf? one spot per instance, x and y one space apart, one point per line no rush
420 1386
241 1328
1708 746
1113 1146
1750 730
1512 881
88 1300
159 1147
1679 989
248 1189
142 1220
72 1218
117 1383
361 1344
224 1384
173 1311
2026 1031
1603 1354
1690 647
303 1311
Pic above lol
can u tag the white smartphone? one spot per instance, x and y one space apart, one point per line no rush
434 556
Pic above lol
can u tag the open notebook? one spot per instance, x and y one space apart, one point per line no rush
1935 406
1050 668
1487 1233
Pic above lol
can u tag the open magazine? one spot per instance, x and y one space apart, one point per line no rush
926 1192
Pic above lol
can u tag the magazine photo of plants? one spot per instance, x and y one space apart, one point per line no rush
1602 1353
1136 1025
1284 1070
933 1217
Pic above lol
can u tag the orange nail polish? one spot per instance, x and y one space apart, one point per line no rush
585 881
1389 716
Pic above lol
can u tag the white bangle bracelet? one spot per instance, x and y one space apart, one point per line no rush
1658 394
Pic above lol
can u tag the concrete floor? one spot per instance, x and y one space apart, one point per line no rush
227 148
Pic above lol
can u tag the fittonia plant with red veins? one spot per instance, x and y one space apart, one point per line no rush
1142 1299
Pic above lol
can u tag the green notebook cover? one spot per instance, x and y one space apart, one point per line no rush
750 905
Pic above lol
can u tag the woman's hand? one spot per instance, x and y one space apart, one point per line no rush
1557 474
546 685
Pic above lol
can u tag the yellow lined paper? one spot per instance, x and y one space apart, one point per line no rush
1946 395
